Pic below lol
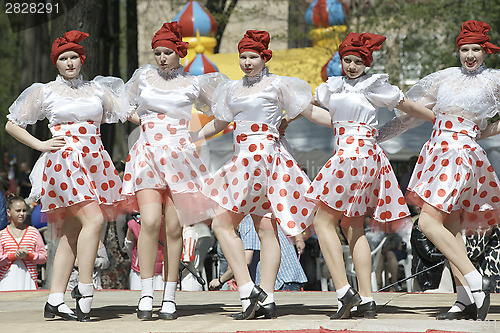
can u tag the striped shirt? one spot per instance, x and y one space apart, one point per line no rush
290 269
32 240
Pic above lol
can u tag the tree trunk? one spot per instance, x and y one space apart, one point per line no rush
132 51
222 13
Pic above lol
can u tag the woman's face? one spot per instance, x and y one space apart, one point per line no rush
69 65
353 66
471 56
251 63
166 58
17 212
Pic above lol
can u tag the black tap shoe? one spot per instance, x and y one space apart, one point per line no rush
257 295
266 310
50 311
81 316
350 299
167 315
144 314
488 285
469 312
367 310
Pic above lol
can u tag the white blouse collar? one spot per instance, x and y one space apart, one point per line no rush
72 83
249 81
171 74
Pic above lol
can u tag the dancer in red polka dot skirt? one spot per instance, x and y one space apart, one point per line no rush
453 180
358 180
262 179
164 172
74 178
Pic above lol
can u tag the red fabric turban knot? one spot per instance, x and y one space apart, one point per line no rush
170 35
361 45
69 42
258 42
476 32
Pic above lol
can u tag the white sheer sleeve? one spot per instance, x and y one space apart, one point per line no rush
132 88
382 94
221 98
207 85
424 93
322 95
296 95
115 101
28 107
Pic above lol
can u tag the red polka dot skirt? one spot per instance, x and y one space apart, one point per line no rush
164 157
262 178
81 171
359 179
453 173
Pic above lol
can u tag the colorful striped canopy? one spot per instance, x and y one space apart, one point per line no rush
201 65
325 13
194 17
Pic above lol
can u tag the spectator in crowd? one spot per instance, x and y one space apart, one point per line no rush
21 249
197 242
130 244
23 181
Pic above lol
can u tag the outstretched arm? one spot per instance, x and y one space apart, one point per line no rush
491 130
209 130
318 115
415 109
23 136
313 113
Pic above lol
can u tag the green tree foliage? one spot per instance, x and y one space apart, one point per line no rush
423 32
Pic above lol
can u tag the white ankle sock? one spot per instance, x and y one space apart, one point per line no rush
341 293
146 303
464 296
57 298
169 295
269 299
475 281
245 291
365 300
86 302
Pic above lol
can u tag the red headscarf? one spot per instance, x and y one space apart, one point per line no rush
69 42
476 32
361 45
256 41
170 35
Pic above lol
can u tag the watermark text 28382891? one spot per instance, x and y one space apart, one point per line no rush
31 8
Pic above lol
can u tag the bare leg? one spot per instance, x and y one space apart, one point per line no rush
225 227
173 253
173 237
64 259
392 265
464 296
361 255
325 223
379 269
92 221
270 247
150 207
431 223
